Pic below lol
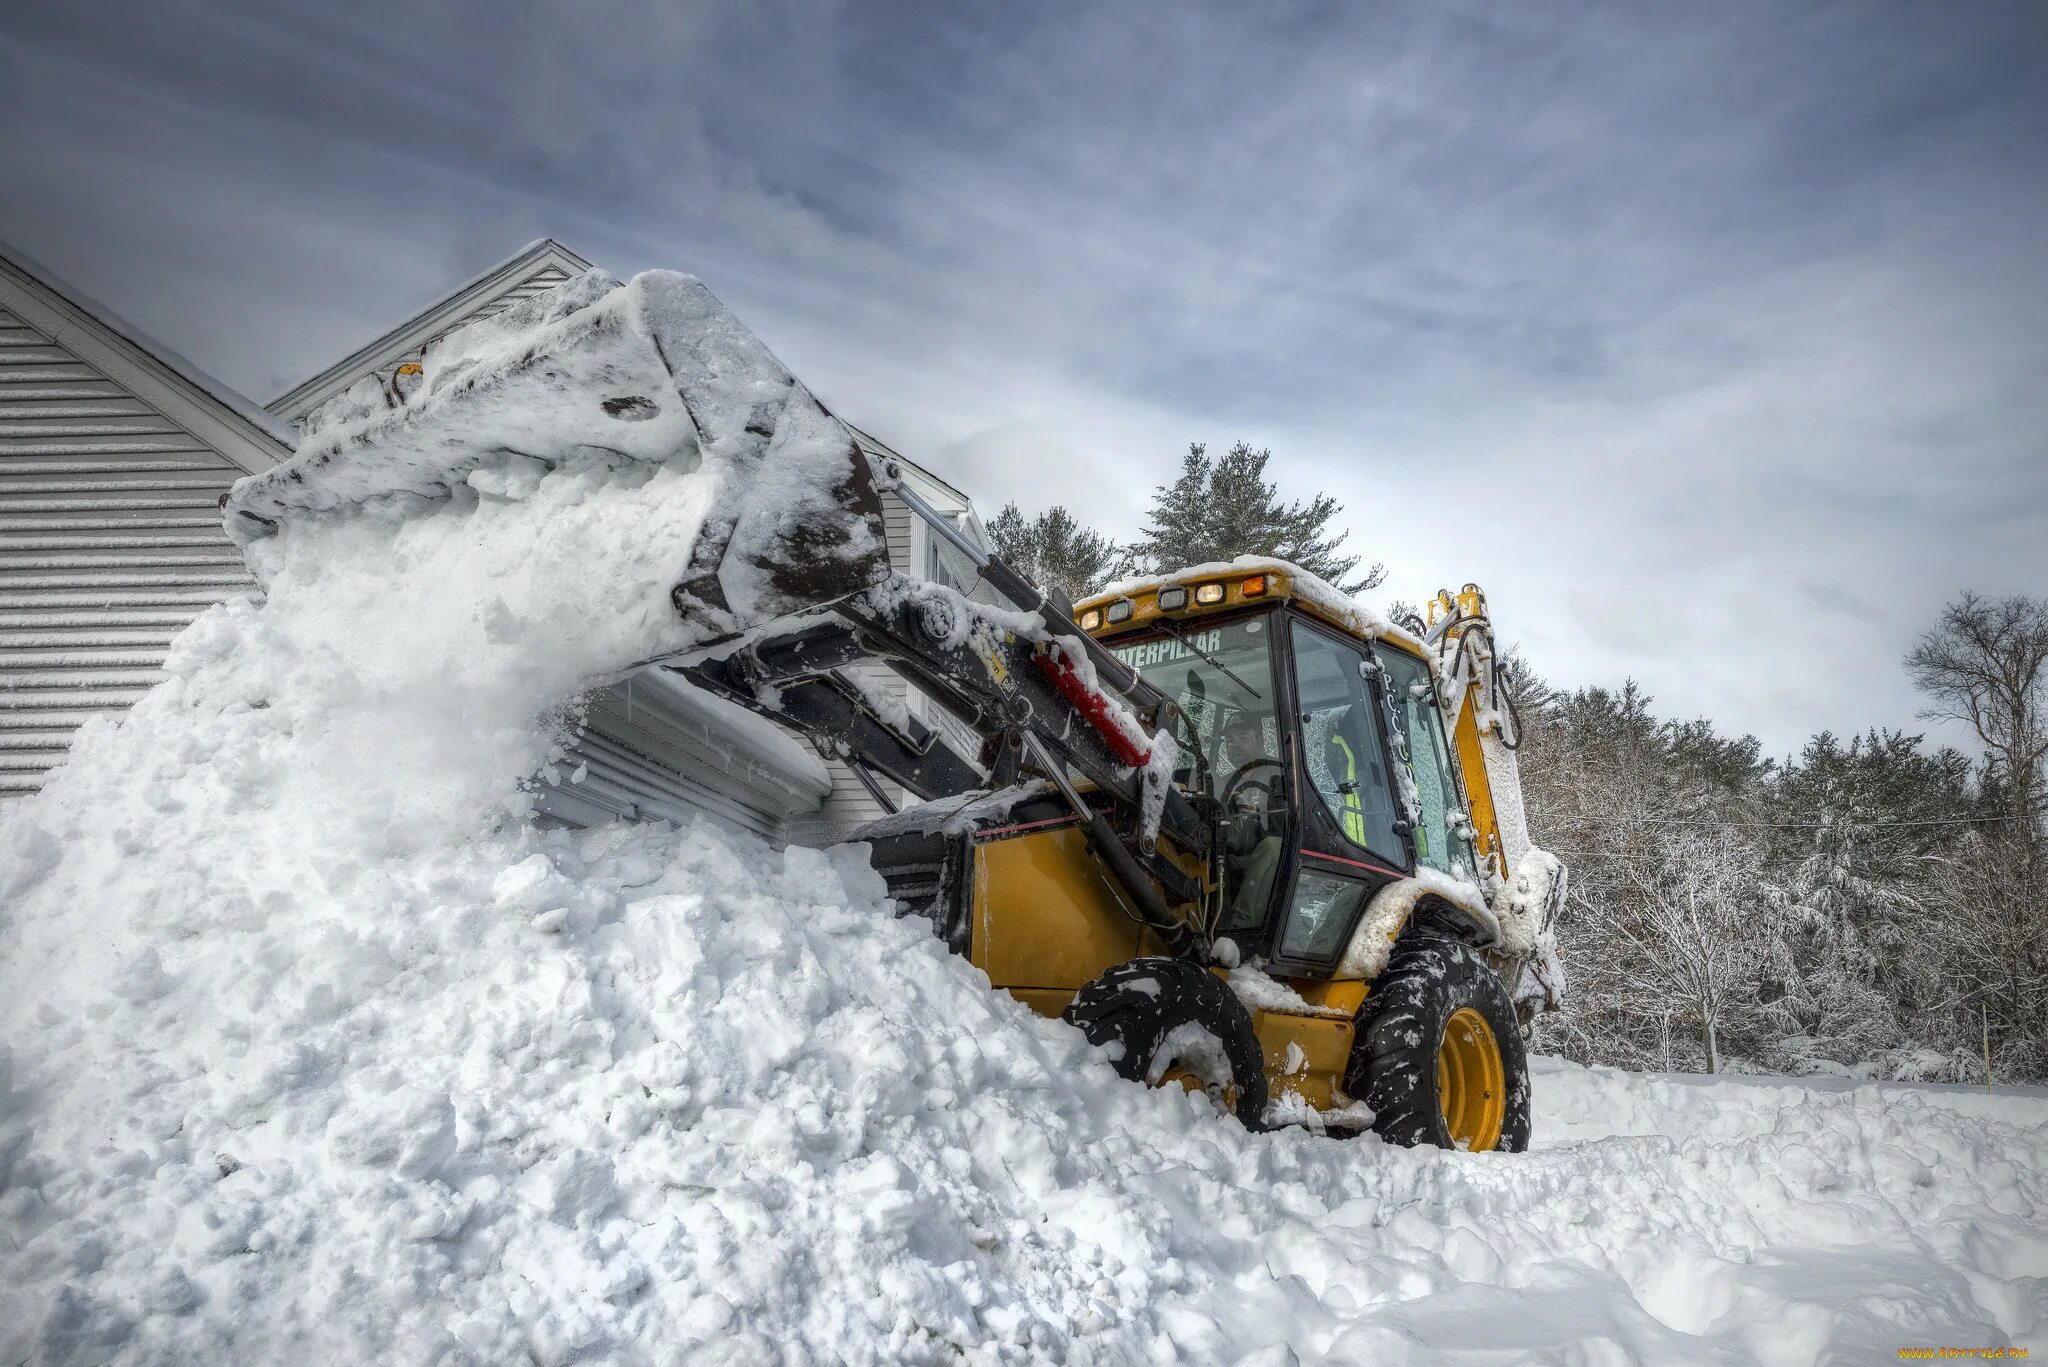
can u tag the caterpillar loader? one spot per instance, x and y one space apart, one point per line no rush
1250 838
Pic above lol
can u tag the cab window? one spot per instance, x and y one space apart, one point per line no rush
1416 727
1221 677
1320 915
1340 744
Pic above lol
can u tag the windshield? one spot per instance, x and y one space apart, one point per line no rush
1221 676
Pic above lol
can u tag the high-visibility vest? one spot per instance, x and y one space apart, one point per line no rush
1354 812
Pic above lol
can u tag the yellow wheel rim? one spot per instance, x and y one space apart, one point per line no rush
1471 1086
1193 1083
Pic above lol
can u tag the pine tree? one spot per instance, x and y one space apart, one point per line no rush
1053 550
1221 508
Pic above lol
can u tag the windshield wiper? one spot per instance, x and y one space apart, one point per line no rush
1168 628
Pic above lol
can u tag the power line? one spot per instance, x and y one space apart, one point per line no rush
1803 825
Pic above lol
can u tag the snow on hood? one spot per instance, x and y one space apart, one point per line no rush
313 1049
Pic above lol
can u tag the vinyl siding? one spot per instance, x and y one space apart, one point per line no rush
636 761
110 543
541 281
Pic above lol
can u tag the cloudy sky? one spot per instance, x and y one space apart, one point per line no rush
1711 339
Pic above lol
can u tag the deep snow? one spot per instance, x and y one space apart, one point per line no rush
313 1048
667 1095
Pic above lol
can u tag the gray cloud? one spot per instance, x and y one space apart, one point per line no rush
1706 338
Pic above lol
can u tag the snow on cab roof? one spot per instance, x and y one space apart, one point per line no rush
1313 591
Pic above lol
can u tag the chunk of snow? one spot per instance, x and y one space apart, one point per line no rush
1260 993
1193 1048
957 814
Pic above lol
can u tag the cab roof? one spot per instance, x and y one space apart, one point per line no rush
1268 580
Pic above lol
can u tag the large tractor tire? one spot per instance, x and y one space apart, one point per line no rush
1164 1022
1439 1055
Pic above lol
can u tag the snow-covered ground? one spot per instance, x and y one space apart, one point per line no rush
652 1095
314 1049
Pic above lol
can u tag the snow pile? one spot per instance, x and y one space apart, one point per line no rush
312 1048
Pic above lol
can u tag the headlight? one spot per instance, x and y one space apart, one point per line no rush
1209 593
1172 600
1121 609
1091 619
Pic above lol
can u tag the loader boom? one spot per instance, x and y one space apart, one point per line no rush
1036 689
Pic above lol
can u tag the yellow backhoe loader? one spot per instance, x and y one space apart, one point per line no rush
1249 837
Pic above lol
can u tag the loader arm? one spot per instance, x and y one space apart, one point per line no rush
1038 693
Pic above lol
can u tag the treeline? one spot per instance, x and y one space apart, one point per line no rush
1873 906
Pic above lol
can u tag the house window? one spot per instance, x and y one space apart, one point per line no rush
944 564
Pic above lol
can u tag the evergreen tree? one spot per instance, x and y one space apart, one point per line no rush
1221 508
1053 550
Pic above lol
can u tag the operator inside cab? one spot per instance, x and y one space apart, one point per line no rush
1253 826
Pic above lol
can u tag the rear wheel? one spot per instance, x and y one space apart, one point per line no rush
1439 1056
1165 1022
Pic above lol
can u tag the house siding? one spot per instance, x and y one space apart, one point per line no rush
110 544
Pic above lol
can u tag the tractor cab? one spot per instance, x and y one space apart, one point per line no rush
1311 738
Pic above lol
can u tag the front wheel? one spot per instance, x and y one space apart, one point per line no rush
1165 1022
1439 1055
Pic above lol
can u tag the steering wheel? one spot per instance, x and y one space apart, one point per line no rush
1240 777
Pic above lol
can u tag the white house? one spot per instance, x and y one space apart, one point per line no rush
114 454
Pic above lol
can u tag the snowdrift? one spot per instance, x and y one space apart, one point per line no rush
314 1048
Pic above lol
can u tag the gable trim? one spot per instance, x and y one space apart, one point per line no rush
427 324
224 420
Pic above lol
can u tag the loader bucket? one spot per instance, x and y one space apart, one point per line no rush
656 370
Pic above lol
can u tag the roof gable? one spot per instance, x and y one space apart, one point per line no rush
535 267
935 490
225 420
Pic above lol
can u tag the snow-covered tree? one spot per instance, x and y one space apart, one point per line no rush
1222 507
1985 664
1663 934
1053 550
1698 931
